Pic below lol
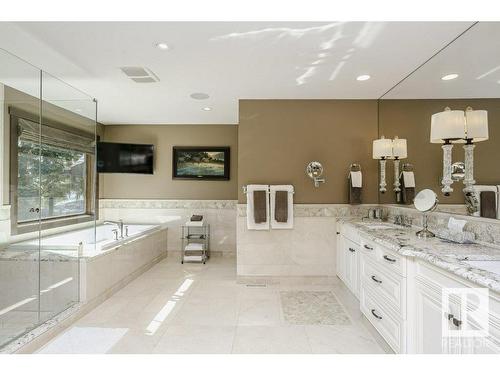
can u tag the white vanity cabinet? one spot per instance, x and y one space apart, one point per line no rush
402 297
348 257
429 314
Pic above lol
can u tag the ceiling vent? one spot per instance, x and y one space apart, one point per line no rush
139 74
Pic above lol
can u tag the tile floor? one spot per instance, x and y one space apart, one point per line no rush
195 308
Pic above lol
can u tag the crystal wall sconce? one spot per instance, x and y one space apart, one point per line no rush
455 126
384 149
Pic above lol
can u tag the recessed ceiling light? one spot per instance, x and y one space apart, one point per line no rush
199 96
207 108
449 77
162 45
364 77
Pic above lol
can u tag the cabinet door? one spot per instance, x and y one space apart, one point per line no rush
351 266
341 257
429 323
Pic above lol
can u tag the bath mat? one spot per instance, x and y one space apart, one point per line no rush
312 308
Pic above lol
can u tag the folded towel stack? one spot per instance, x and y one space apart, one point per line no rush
455 232
458 237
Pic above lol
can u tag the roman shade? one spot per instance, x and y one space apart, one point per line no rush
55 136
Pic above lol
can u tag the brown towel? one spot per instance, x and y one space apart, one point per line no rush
408 195
259 206
354 194
281 207
488 204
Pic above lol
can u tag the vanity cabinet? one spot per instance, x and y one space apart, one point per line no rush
402 297
430 316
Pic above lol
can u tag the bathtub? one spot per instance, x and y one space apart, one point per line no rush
86 242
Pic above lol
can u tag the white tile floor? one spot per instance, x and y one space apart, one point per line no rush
195 308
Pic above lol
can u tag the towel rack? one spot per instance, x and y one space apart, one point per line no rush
354 167
244 187
407 167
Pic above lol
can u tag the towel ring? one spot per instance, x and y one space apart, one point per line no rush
407 167
355 167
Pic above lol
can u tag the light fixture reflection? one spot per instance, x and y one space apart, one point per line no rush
364 77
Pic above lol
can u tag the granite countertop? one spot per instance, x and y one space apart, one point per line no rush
449 256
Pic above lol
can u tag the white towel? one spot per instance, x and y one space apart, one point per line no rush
477 191
193 246
408 179
251 224
289 223
356 179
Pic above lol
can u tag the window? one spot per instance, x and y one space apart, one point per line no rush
62 181
52 174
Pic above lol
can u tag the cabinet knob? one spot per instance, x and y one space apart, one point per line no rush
376 280
351 250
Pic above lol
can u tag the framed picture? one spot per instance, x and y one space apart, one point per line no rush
200 163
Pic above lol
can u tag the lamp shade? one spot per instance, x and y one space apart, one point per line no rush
448 126
399 148
476 125
382 148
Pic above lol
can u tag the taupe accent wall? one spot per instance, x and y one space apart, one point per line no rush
411 119
278 138
160 185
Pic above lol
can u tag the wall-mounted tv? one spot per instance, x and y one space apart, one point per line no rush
124 158
200 163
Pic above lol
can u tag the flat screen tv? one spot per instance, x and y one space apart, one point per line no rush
124 158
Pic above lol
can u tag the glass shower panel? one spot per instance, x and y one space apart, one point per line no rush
20 197
67 192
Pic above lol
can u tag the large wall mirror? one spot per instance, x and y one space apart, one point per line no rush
464 79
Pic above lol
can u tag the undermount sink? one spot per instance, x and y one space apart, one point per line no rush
487 265
379 226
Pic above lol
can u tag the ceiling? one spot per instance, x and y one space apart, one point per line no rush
475 57
227 60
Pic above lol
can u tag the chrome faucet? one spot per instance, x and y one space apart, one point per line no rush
118 223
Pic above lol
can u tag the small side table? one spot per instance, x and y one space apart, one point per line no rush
195 242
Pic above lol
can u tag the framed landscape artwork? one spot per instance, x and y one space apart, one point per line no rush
200 163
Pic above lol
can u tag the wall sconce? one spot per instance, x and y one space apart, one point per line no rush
455 126
382 150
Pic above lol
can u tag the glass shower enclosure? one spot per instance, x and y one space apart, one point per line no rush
48 187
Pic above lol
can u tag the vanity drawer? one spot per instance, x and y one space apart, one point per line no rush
391 260
390 286
390 327
368 248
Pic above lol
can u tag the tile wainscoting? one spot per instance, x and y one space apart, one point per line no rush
220 214
309 249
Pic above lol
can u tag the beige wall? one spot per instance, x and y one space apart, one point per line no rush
160 185
278 138
411 119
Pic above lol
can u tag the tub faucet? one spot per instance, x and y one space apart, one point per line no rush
118 223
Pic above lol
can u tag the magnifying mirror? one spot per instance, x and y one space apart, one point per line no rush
315 170
425 201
